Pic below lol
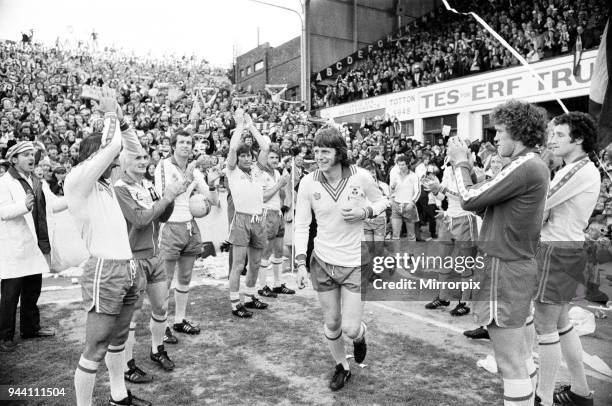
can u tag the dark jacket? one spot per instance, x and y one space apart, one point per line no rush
514 201
39 211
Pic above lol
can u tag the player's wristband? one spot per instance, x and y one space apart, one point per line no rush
212 188
463 164
123 125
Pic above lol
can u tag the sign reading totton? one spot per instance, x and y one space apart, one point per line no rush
480 92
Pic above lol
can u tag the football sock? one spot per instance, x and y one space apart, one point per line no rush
157 325
181 295
550 359
362 330
84 381
336 346
262 278
129 344
571 347
517 392
234 299
277 267
114 364
249 293
533 375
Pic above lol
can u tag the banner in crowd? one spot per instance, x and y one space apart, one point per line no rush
479 92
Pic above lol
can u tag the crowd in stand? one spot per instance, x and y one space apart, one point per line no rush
444 45
41 102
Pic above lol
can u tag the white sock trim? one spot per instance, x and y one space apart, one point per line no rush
517 390
332 335
548 339
88 366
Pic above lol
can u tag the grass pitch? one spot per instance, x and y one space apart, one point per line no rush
278 357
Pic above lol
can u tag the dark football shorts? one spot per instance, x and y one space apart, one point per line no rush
326 277
460 232
180 240
247 230
560 271
274 224
405 211
107 285
505 293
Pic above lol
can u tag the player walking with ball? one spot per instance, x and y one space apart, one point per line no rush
332 193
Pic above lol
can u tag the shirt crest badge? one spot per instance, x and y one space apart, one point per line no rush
317 196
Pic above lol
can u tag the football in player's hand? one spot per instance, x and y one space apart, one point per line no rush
199 206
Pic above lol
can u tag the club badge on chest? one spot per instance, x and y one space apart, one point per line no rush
356 198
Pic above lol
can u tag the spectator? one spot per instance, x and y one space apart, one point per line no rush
26 247
405 191
456 46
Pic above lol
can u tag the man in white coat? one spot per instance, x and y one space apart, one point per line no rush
24 242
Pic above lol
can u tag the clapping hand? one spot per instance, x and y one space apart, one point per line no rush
212 175
174 189
457 151
284 178
189 171
431 184
480 174
239 118
108 100
248 121
119 112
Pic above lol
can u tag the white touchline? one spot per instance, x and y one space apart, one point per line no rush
418 317
447 326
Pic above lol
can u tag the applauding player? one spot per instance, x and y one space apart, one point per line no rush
513 203
110 287
181 241
273 195
562 258
143 210
247 234
458 235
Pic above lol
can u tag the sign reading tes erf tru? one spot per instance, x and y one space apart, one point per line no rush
481 91
514 85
